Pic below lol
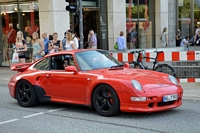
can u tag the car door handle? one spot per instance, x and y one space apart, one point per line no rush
49 76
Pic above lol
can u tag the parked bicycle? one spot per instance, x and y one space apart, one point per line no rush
165 68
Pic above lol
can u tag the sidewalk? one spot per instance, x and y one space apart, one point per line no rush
191 90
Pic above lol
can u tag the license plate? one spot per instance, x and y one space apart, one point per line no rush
168 98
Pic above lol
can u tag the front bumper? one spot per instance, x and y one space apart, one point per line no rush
154 102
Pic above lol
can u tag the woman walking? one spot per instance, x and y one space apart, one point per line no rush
164 38
20 46
178 38
38 46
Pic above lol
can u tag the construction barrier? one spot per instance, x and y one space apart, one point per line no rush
162 57
167 56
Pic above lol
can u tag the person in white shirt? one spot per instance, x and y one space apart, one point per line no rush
70 45
75 39
197 30
164 38
185 41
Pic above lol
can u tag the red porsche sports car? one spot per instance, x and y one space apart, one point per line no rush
93 78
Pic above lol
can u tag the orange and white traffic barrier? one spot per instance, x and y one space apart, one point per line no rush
162 57
187 80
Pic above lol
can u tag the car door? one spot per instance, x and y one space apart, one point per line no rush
65 84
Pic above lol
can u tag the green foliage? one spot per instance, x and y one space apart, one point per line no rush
184 11
135 11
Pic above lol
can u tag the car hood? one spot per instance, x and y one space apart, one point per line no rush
147 78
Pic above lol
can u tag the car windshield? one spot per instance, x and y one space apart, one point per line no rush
95 59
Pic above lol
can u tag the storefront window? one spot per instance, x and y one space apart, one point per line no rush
140 23
188 18
184 17
18 16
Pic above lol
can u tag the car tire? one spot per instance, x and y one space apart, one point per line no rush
25 94
105 101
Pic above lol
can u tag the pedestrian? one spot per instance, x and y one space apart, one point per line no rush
178 38
121 41
185 43
46 43
5 47
20 46
191 41
197 38
92 40
55 45
70 45
50 38
197 29
133 40
164 38
64 41
38 46
74 37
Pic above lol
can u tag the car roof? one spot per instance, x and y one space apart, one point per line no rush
71 52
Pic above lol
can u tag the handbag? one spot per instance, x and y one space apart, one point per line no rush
15 57
42 53
116 46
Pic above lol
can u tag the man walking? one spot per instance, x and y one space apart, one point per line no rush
46 43
93 40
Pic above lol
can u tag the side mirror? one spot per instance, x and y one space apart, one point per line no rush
71 69
126 65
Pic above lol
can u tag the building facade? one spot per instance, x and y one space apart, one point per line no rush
142 21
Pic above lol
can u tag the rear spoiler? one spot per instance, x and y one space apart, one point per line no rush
20 67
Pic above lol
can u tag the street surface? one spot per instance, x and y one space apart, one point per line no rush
62 118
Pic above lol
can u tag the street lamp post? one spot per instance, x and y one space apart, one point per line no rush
81 24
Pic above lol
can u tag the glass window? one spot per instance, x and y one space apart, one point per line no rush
140 23
42 65
188 18
89 60
62 61
18 15
184 17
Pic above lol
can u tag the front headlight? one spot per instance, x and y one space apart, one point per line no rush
173 80
137 85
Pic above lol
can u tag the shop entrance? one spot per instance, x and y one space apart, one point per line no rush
91 21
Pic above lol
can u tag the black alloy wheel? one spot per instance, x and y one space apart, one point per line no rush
25 94
106 101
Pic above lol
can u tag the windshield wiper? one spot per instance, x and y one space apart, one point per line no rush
116 66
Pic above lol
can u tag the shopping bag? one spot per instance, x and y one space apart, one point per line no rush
15 57
42 53
116 46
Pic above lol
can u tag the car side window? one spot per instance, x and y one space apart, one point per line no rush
42 65
59 62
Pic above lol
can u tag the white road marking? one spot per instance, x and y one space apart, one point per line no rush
1 123
55 110
28 116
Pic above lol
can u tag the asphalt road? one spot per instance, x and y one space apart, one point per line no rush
62 118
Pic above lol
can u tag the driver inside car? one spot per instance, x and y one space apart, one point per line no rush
65 63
